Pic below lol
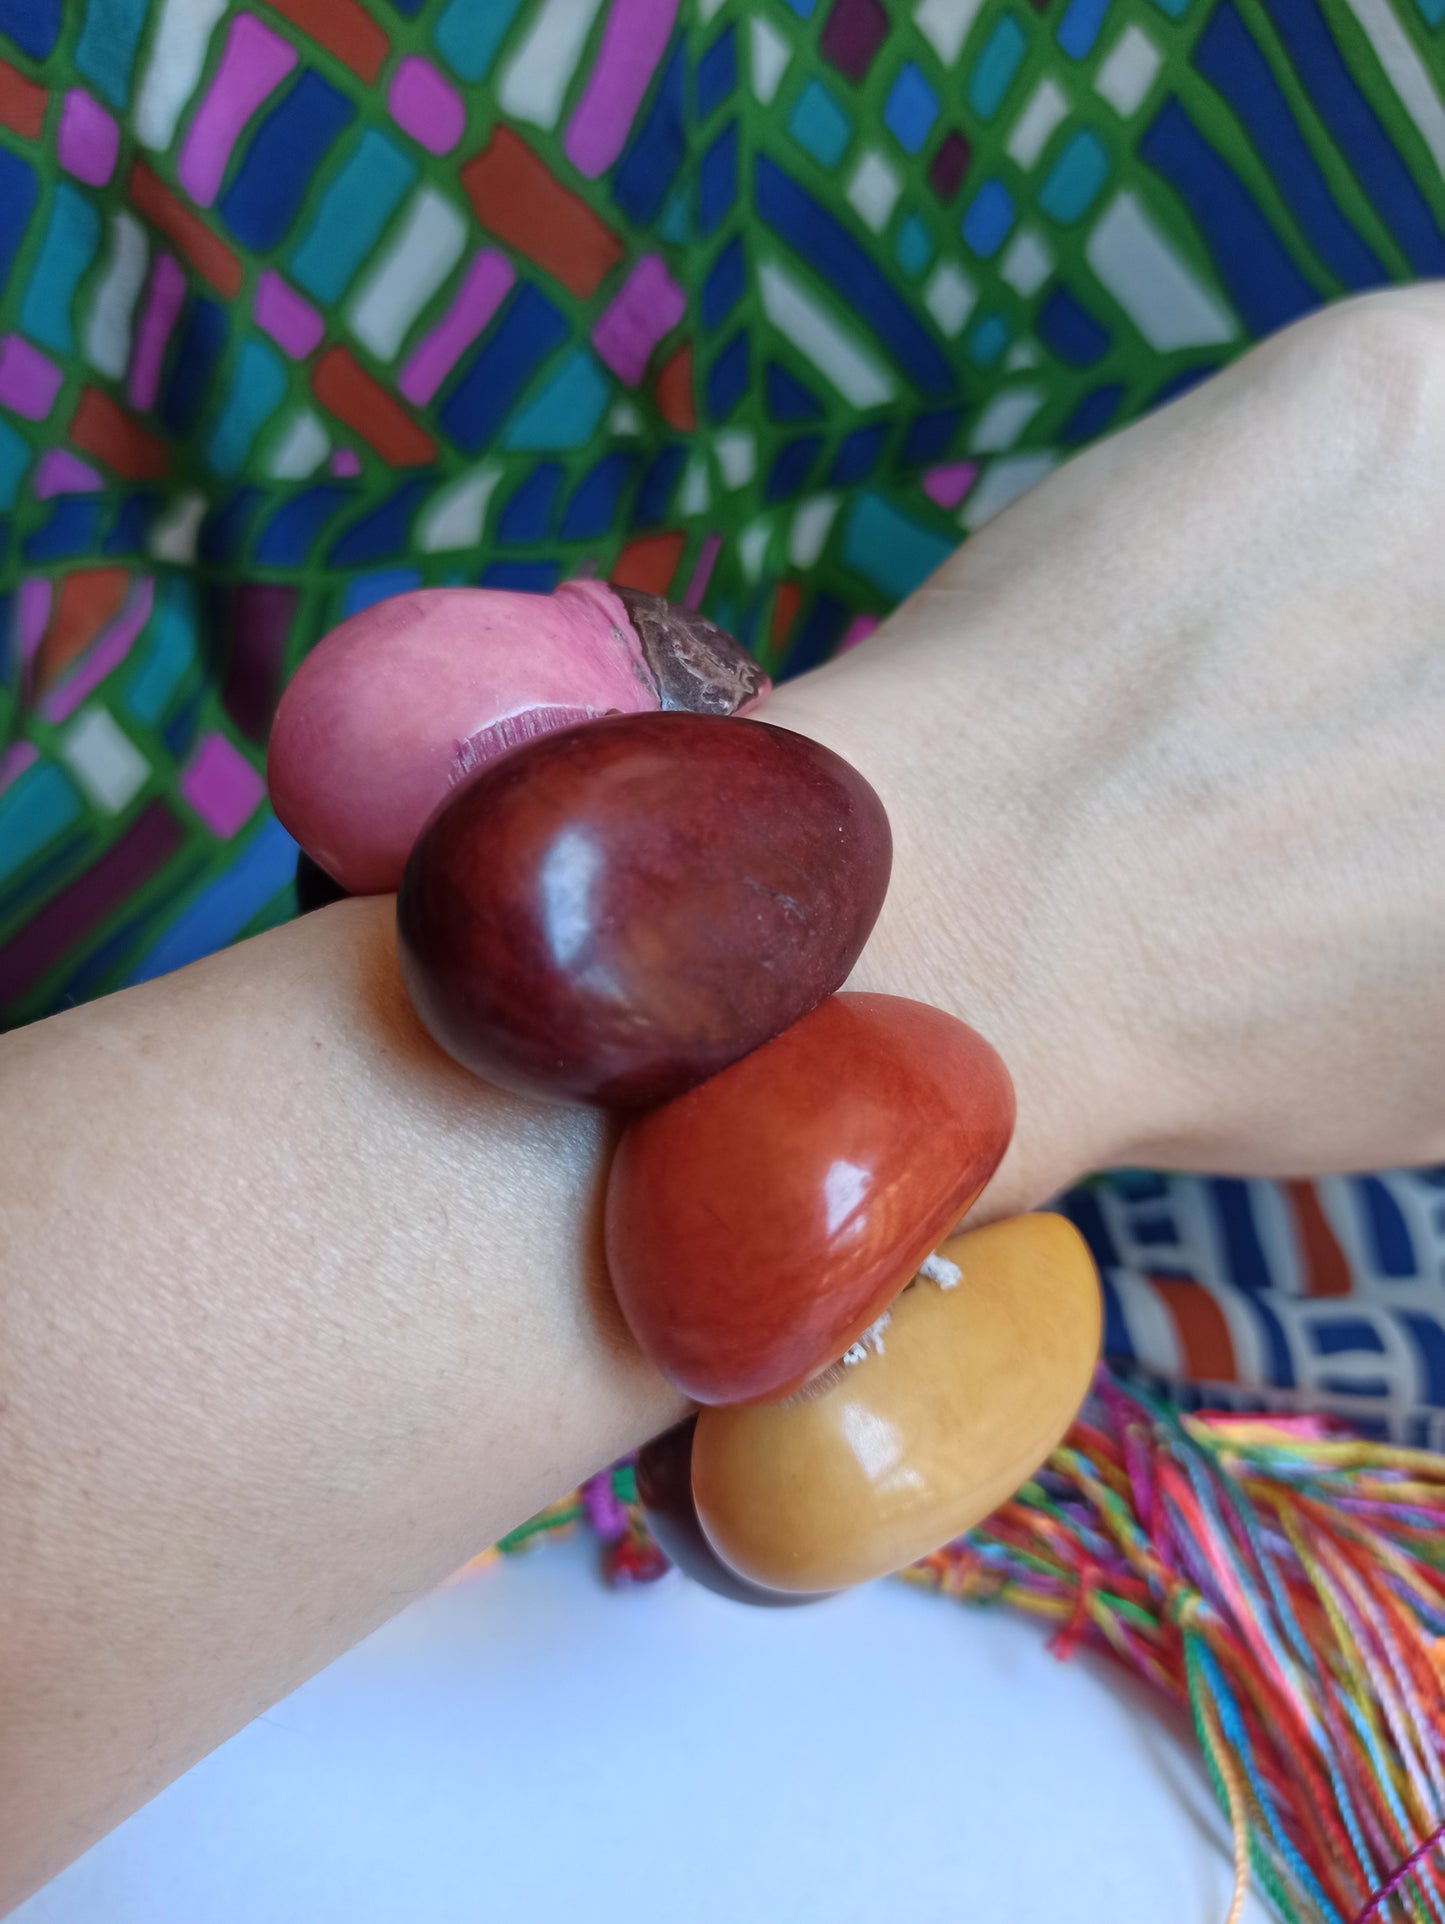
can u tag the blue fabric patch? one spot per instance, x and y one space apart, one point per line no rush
652 163
527 516
910 109
282 160
529 329
717 73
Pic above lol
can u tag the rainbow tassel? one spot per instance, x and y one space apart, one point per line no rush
1280 1576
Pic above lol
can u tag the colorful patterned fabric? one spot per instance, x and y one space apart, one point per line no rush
761 305
1324 1296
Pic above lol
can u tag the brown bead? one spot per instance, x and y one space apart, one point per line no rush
759 1223
614 912
664 1489
908 1449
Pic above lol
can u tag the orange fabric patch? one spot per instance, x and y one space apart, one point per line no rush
519 201
85 602
674 389
1327 1269
22 103
785 608
101 428
649 564
345 30
210 257
341 384
1199 1324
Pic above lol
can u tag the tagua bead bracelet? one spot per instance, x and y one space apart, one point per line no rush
616 886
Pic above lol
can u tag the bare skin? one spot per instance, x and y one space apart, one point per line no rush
294 1316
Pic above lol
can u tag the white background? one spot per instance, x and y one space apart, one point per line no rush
530 1746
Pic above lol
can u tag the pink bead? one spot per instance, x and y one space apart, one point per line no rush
400 703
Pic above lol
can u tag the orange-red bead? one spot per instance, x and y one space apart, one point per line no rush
758 1224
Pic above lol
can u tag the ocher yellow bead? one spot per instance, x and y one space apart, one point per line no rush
907 1449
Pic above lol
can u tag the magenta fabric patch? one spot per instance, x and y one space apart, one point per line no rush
702 573
162 304
948 485
632 44
254 64
488 278
89 139
859 630
648 305
345 463
424 106
13 763
221 785
291 321
35 597
852 34
28 382
60 472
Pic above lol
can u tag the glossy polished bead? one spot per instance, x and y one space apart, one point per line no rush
395 707
616 911
664 1489
910 1448
760 1223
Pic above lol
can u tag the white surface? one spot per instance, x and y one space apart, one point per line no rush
528 1746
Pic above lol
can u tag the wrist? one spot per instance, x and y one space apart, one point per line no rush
993 912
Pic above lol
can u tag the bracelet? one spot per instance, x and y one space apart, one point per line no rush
654 911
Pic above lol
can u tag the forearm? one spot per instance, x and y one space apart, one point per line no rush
296 1317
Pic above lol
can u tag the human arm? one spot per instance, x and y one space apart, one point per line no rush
294 1316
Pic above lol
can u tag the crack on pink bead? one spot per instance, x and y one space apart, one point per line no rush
511 731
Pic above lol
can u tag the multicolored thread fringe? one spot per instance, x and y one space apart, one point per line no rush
1281 1577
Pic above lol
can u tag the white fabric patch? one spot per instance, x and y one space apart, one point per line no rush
1405 71
694 495
405 275
1028 262
103 759
771 55
752 547
1046 107
810 529
534 83
173 538
945 25
178 53
949 297
1004 419
456 517
1163 297
874 190
736 455
1127 75
1003 482
301 449
836 354
106 338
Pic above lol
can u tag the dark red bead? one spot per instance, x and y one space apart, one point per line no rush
613 913
664 1489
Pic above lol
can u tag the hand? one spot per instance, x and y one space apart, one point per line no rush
1168 779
